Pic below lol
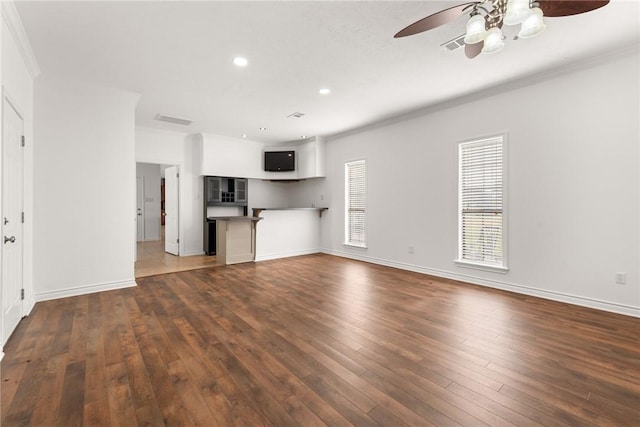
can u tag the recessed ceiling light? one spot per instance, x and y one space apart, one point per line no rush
244 135
324 91
303 136
240 61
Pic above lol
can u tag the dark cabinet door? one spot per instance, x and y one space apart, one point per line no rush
214 189
210 237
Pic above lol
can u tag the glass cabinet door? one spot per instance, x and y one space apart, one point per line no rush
241 190
214 189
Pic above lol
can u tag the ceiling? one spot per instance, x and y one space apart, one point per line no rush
178 56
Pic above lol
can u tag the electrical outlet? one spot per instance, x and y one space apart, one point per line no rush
621 278
322 197
411 248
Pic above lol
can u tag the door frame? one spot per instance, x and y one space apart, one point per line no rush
181 202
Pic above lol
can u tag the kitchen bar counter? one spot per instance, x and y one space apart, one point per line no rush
233 218
286 232
236 238
258 211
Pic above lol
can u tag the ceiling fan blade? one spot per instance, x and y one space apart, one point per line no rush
555 8
473 50
432 21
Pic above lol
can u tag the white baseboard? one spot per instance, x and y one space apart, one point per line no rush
28 305
613 307
266 257
83 290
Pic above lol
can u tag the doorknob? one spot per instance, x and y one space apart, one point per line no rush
11 239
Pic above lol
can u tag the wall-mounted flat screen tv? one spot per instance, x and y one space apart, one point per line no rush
279 161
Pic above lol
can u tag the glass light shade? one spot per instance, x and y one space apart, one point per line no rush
533 25
517 12
493 41
475 29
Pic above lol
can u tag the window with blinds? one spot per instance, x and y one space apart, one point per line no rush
355 203
481 203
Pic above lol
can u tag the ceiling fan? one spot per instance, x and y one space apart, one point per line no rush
486 18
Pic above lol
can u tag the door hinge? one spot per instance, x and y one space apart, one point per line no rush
22 294
23 217
177 240
23 140
178 175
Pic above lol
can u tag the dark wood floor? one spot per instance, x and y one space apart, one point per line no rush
318 340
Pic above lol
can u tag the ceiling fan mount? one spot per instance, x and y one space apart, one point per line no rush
486 18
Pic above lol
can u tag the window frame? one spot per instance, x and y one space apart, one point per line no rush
347 223
492 267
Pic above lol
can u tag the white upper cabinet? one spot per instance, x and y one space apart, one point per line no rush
234 157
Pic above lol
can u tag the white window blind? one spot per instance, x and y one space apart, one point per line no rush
481 226
355 203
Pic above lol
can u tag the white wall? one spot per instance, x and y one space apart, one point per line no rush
268 194
152 199
308 193
84 188
160 146
573 186
18 68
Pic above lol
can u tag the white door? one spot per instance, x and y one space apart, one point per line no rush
171 230
12 227
140 208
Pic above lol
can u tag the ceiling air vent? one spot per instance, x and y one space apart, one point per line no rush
174 120
453 44
297 115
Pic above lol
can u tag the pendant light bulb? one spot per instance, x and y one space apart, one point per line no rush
533 25
493 41
475 29
517 12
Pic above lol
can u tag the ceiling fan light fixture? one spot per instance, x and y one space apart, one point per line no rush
493 41
517 12
533 25
475 29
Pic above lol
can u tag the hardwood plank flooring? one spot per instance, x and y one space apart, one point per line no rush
152 260
318 340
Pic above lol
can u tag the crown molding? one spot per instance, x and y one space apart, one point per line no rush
14 24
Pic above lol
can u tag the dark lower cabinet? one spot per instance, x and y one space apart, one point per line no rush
210 237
